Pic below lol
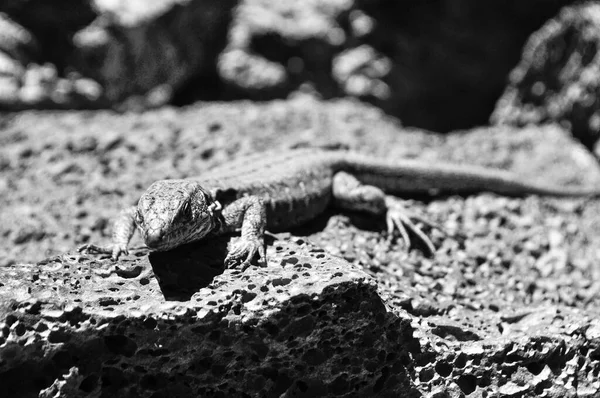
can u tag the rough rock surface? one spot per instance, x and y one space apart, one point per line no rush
438 65
66 174
308 325
558 78
510 310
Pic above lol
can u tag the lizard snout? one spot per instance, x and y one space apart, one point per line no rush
152 239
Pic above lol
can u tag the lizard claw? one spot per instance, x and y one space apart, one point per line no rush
398 219
243 252
114 250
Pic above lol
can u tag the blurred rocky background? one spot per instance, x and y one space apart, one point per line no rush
438 65
98 99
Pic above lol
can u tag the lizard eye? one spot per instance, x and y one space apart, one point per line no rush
186 211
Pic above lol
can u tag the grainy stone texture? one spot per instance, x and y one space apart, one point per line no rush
438 65
66 174
308 325
511 310
558 78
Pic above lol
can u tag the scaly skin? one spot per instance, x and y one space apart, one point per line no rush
279 190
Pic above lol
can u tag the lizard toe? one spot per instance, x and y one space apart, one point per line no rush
243 253
94 249
262 256
397 219
115 251
394 223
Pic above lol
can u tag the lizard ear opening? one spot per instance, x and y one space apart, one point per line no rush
138 217
215 208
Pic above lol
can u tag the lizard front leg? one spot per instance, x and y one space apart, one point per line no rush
248 213
123 230
349 193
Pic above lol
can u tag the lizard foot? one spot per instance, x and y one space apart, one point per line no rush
399 219
244 251
114 250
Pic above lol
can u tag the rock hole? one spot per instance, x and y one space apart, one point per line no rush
62 359
467 383
443 368
460 361
150 323
425 375
380 382
536 367
248 296
302 386
120 345
281 281
89 384
214 127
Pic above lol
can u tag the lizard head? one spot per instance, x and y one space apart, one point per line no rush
174 212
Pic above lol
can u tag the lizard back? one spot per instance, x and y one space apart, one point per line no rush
294 184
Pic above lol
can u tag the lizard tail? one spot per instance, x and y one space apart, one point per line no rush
430 178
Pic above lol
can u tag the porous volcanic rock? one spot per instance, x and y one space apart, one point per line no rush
307 325
558 77
508 305
65 175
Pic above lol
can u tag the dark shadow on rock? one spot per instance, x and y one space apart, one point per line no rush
362 221
181 272
315 225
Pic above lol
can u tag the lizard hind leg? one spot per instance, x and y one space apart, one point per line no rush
350 194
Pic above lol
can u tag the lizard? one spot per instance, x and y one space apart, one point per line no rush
279 190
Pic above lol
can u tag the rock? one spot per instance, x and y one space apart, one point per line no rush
16 41
508 305
71 163
433 65
137 50
36 38
558 78
308 325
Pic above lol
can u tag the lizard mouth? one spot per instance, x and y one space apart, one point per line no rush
158 241
161 243
154 247
164 242
153 241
